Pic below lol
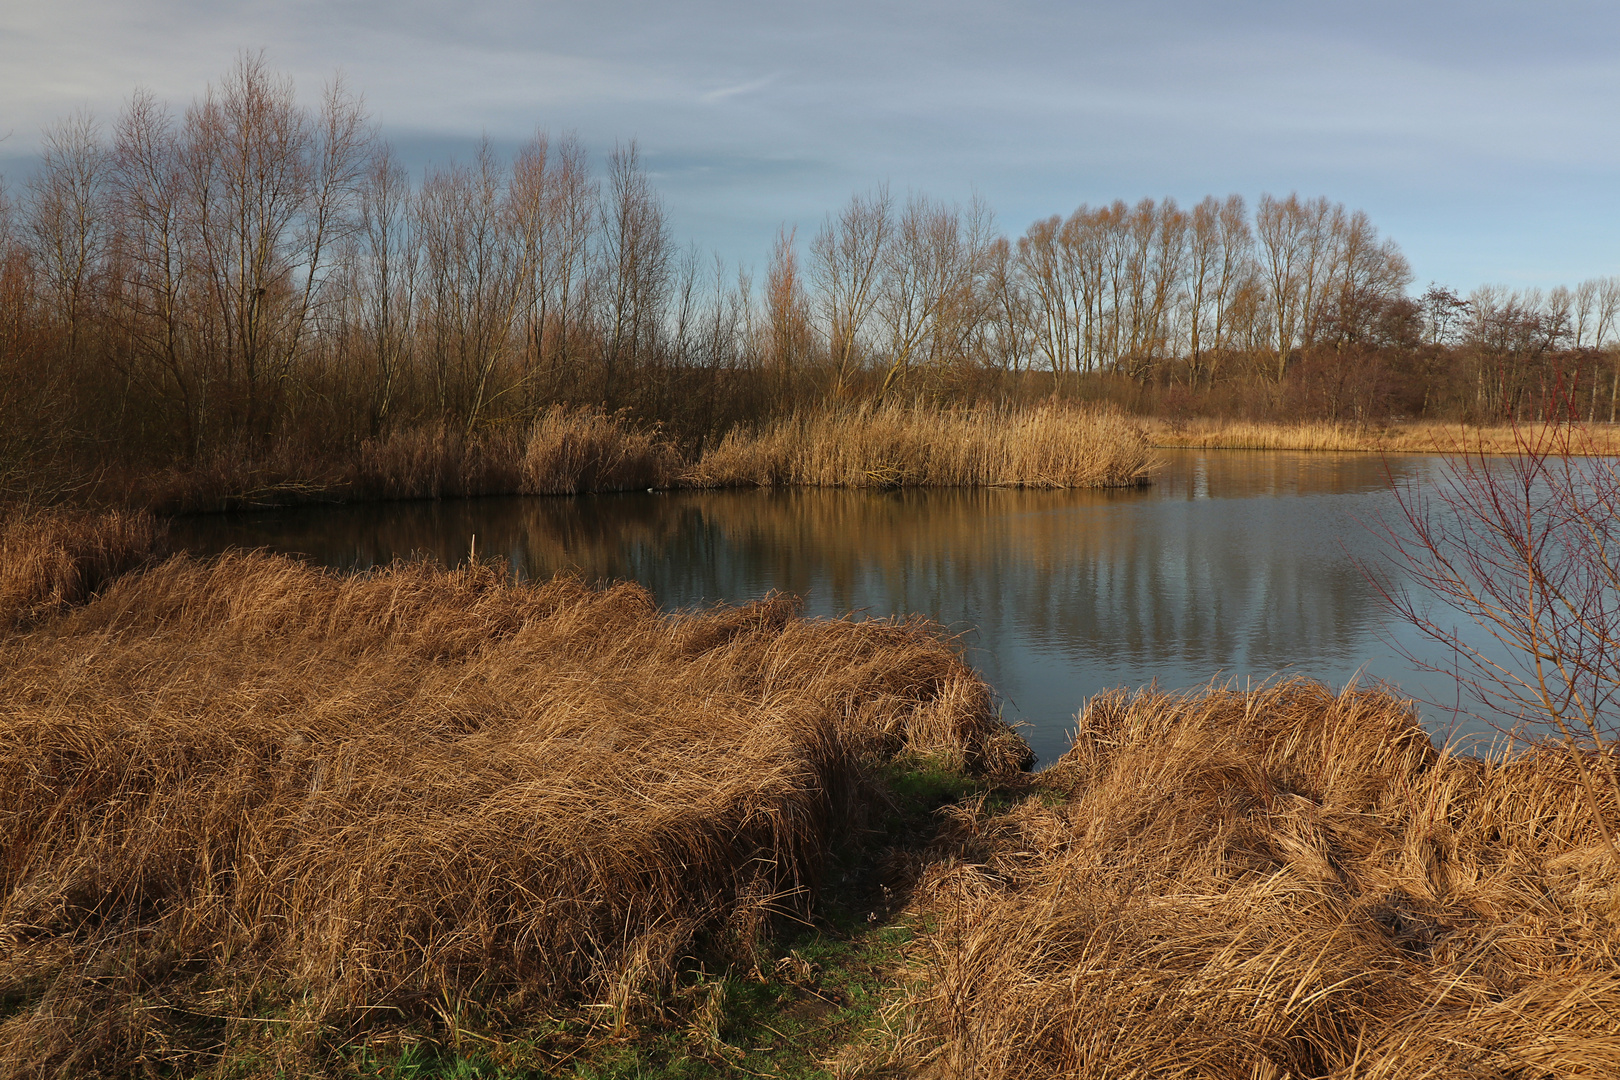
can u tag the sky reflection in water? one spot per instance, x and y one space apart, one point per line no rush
1234 563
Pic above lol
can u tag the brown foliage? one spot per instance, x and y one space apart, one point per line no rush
1284 882
249 803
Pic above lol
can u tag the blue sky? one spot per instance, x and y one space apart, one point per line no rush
1483 136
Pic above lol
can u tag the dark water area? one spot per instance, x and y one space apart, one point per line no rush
1233 565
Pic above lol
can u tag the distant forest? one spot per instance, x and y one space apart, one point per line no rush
250 271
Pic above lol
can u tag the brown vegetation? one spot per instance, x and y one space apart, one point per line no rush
163 316
1416 437
565 452
52 561
1283 882
573 451
249 805
901 446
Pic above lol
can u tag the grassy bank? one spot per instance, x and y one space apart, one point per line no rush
1421 437
565 452
261 819
1287 882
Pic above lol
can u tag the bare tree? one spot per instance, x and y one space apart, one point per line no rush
473 278
1012 315
787 314
1056 324
935 257
158 280
269 188
1584 308
1282 227
67 224
636 253
846 268
389 259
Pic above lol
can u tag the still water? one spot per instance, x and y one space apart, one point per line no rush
1233 564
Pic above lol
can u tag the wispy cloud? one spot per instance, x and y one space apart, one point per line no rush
725 93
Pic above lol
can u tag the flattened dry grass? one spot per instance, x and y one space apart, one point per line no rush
913 446
253 809
1424 437
1286 882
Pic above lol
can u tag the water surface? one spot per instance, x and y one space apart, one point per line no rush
1233 564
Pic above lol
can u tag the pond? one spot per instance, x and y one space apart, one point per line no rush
1232 565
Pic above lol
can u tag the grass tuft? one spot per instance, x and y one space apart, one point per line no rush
1285 882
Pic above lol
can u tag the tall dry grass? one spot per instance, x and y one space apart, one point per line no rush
564 451
1423 437
913 446
575 451
51 560
252 808
1285 882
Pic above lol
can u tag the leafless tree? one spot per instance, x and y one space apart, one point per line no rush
846 268
636 256
386 270
67 222
1525 549
935 257
787 343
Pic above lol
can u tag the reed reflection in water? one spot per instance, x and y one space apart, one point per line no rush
1234 563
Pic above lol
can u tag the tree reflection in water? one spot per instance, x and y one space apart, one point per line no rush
1233 563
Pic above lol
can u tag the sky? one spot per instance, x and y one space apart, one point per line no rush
1482 135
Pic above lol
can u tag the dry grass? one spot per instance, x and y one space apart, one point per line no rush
907 446
574 451
52 560
1280 883
246 805
1409 438
565 451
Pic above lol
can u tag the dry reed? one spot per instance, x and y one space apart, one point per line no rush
1422 437
1280 883
907 446
574 451
51 560
247 803
565 451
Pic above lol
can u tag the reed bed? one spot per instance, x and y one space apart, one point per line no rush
52 560
576 451
1279 883
913 446
565 451
1407 438
252 812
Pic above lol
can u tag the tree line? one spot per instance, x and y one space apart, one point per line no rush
174 285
